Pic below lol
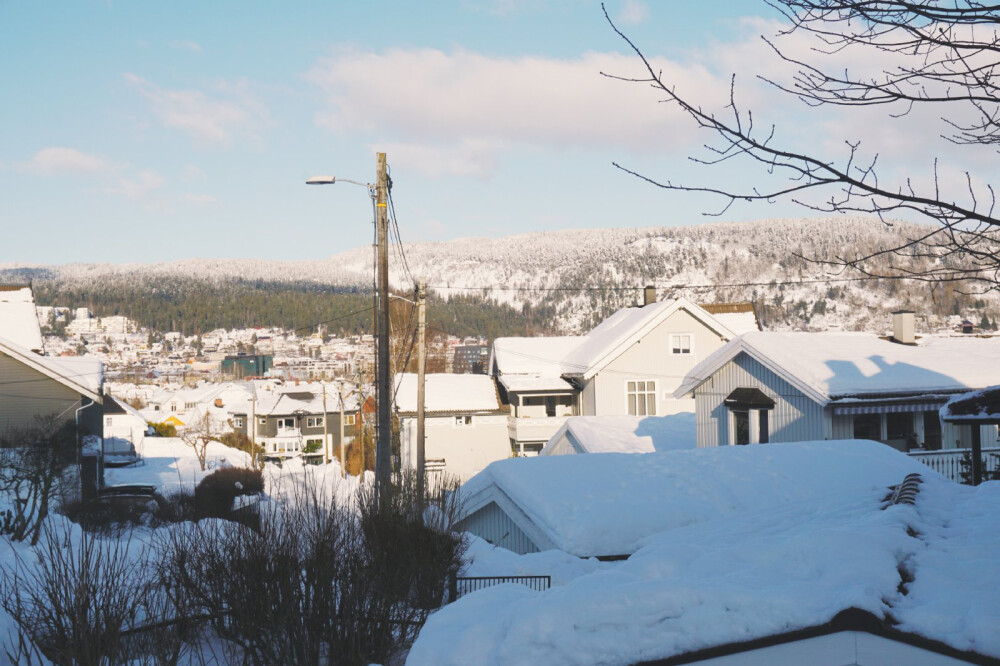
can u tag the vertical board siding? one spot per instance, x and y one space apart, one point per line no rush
795 417
36 395
494 525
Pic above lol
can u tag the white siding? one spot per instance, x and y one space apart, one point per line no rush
494 525
466 449
650 358
795 418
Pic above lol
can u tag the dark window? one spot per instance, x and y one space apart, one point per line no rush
742 421
932 431
763 430
868 426
899 426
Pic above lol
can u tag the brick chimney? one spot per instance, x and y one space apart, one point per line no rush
902 327
649 295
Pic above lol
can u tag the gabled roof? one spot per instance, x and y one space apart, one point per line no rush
626 434
608 504
447 393
18 318
832 366
83 375
624 328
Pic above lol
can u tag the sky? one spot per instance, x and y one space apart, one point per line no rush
149 132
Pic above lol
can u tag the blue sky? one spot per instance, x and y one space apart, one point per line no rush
141 131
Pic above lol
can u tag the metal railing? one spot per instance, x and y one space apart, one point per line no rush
949 462
459 586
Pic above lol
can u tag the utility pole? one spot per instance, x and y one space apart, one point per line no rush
421 370
326 436
343 447
383 468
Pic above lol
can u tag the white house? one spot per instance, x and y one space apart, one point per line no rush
780 387
124 429
465 427
630 364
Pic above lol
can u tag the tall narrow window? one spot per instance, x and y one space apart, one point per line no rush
741 427
641 398
763 427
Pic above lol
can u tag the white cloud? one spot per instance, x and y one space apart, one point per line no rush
54 161
633 12
192 173
200 199
212 119
138 187
475 105
193 47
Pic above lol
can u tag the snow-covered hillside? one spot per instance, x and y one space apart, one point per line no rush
582 275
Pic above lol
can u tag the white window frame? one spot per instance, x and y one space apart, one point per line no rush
285 420
262 420
463 421
350 419
237 421
649 390
676 347
314 421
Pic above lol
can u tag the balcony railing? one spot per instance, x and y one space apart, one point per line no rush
949 462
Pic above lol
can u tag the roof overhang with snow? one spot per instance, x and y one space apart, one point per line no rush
84 378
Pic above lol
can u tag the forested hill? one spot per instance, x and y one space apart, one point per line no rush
195 306
559 281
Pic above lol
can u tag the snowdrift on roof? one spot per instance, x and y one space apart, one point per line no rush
607 504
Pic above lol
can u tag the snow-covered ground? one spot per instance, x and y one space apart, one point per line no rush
744 574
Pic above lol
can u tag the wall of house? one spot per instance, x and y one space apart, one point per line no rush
495 526
466 449
953 436
794 418
37 395
651 358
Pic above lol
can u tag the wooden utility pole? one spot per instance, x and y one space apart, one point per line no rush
343 447
326 436
383 469
421 370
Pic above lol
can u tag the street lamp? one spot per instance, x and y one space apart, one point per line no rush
379 193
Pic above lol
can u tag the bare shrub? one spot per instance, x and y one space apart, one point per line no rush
320 581
215 493
33 463
73 605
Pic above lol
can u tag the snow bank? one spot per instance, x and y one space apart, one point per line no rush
746 576
606 504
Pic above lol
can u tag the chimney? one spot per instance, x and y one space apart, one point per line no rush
902 327
649 295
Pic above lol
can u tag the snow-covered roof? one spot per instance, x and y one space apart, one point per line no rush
973 407
306 398
622 329
18 319
626 434
529 383
739 318
828 366
84 375
447 393
533 356
607 504
754 574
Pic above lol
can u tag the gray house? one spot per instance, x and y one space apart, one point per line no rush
298 421
786 387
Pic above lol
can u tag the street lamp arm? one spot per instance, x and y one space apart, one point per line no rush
330 180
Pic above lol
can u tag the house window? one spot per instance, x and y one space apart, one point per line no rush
237 421
107 420
932 431
641 398
868 426
900 427
681 344
463 420
262 420
349 419
286 423
314 421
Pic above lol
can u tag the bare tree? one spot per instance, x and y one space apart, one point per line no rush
939 53
200 433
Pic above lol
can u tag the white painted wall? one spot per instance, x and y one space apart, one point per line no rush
466 449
